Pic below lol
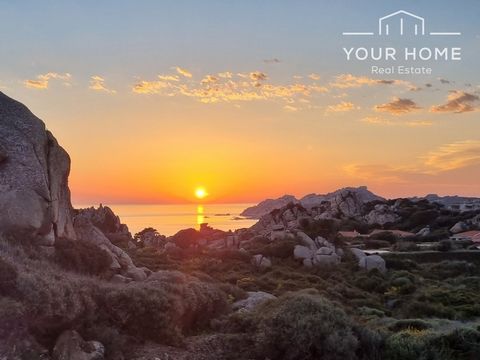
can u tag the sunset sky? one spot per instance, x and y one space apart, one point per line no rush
249 99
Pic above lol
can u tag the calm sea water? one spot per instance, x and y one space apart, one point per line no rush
168 219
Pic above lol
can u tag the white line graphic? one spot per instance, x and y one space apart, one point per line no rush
418 26
358 33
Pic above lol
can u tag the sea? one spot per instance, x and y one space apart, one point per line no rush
169 219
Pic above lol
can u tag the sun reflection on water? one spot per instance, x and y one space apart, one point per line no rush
200 216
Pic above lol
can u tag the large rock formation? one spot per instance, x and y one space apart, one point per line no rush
35 200
268 205
34 169
381 214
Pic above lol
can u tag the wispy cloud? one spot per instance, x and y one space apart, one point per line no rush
457 102
347 81
271 61
97 83
343 106
42 81
150 87
446 158
230 87
183 72
378 120
398 106
453 156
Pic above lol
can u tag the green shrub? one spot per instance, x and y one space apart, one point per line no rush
445 245
82 257
425 309
164 307
460 344
412 324
405 345
304 326
368 311
403 245
450 268
376 244
186 238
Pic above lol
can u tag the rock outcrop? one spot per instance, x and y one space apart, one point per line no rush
105 219
459 227
287 218
254 299
369 262
267 206
34 169
71 346
381 215
35 199
316 252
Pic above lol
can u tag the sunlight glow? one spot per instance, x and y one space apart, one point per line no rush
200 193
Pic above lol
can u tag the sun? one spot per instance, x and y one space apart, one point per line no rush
200 193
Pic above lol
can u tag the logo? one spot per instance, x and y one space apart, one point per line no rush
405 23
402 24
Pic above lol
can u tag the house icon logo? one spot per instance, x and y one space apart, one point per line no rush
401 23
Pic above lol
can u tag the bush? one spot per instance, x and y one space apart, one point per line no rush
186 238
164 307
304 326
449 269
460 344
82 257
409 324
405 246
376 244
405 345
445 245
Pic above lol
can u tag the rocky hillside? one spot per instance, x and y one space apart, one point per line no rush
267 206
337 200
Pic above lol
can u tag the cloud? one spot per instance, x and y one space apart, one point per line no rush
446 158
398 106
183 72
378 120
271 61
376 172
457 102
225 75
444 81
258 76
314 76
97 83
290 108
453 156
209 79
150 87
42 80
346 81
230 87
344 106
169 77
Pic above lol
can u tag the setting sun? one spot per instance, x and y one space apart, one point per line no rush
200 193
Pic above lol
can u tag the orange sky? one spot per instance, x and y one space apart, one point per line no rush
251 103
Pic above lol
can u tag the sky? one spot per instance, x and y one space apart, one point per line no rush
248 99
